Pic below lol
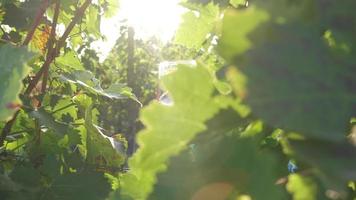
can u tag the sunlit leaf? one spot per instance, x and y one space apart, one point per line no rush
93 21
191 90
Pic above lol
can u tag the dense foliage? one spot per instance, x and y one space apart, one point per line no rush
267 112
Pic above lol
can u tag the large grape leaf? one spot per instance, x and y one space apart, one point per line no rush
12 71
169 128
294 82
87 80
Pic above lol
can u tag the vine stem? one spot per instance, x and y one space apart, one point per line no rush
62 108
49 58
78 15
50 45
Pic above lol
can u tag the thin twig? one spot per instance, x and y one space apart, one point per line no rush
39 15
8 41
18 132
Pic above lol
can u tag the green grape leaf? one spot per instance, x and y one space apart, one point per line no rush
70 59
45 118
196 25
169 128
12 71
99 149
302 188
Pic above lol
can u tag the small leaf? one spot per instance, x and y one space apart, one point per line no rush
336 160
99 148
237 3
70 59
302 188
87 80
93 21
223 87
46 119
196 25
237 24
12 71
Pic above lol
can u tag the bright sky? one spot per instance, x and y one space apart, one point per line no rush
149 18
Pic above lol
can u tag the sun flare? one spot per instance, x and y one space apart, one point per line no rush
149 18
159 18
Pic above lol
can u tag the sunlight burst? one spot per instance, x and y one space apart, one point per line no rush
159 18
154 18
